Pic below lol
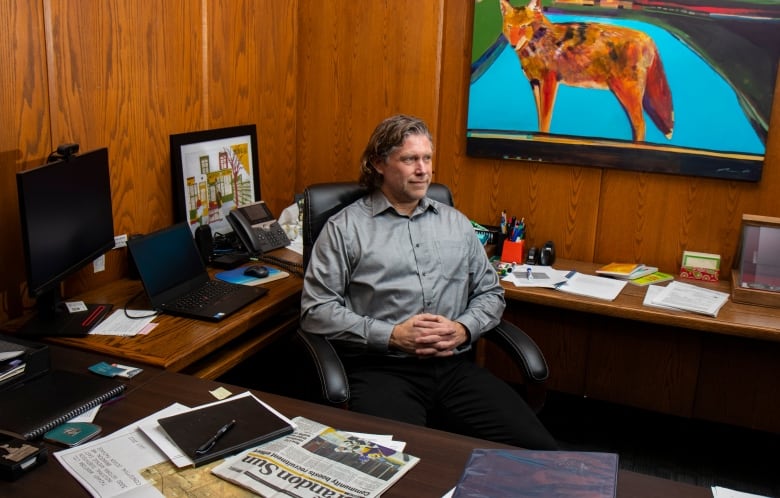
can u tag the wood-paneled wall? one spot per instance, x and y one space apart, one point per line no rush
126 75
315 77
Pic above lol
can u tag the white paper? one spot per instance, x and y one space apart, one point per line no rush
157 434
540 276
593 286
109 466
720 492
87 416
385 440
119 324
692 298
652 293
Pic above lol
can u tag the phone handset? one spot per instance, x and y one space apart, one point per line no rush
260 238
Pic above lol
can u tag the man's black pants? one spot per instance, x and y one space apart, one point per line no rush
450 393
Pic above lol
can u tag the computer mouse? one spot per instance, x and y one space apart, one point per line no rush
256 271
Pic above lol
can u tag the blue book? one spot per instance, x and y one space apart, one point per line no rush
236 276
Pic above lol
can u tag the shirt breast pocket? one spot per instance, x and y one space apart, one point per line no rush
453 259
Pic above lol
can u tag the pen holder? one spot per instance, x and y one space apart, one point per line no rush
512 252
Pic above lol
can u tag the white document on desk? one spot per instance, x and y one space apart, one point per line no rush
536 276
118 323
688 297
593 286
109 467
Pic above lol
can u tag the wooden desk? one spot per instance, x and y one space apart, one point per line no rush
721 369
200 348
442 455
756 322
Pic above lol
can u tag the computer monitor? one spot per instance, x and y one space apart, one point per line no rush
67 222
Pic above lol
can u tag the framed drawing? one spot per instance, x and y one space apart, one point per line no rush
680 87
214 171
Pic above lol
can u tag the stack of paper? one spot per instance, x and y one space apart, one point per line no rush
686 297
592 286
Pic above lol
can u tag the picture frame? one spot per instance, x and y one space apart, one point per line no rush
213 172
756 273
710 117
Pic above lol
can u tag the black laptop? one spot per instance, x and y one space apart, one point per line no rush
176 280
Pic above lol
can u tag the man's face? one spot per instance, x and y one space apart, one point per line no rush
407 171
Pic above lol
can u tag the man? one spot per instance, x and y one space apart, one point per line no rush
402 286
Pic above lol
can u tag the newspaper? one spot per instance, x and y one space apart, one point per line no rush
317 461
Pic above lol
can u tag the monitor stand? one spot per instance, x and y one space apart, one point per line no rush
62 323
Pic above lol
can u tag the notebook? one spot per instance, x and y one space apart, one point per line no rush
243 422
35 407
176 280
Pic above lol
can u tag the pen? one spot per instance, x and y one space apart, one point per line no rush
205 447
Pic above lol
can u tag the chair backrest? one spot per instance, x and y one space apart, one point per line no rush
323 200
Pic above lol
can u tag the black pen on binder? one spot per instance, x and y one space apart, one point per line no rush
205 447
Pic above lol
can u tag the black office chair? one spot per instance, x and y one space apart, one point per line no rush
323 200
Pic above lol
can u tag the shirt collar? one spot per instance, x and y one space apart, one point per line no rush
380 204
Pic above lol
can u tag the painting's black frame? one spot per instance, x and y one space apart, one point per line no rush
627 158
179 140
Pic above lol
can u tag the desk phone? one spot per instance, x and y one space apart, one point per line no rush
257 228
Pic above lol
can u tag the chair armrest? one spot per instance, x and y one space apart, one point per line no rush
334 385
522 349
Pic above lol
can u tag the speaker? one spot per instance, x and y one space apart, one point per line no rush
547 256
205 243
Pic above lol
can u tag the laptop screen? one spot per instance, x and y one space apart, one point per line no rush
166 259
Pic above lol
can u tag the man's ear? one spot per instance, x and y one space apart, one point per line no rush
378 164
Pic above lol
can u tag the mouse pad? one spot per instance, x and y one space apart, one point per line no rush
236 276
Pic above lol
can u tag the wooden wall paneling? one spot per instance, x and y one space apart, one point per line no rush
642 364
251 80
738 382
559 202
358 64
653 218
25 139
126 78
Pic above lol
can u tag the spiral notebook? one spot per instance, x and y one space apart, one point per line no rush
35 407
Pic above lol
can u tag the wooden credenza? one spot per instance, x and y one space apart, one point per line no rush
722 369
200 348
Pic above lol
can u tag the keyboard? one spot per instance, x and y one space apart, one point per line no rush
203 296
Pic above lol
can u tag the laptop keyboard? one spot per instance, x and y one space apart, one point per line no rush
203 296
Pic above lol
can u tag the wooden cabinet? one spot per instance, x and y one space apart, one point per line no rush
720 369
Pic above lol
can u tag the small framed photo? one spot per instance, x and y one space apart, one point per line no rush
214 172
756 277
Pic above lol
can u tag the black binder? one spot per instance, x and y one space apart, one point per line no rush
38 406
254 425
